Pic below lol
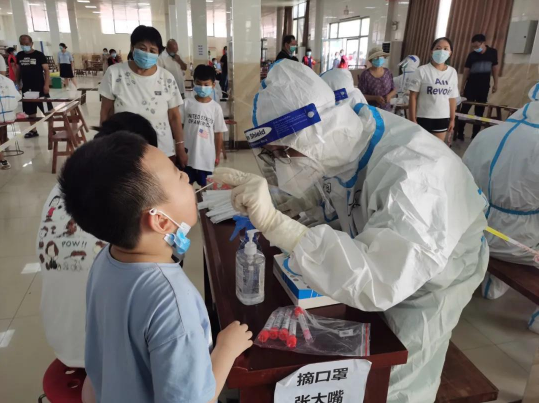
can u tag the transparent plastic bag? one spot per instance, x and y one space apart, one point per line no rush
292 328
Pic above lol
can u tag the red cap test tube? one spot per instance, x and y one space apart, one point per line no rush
292 340
283 333
265 333
303 324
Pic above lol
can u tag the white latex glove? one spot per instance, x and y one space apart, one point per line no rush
251 195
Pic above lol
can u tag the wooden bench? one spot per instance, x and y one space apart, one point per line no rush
71 131
522 278
462 382
83 94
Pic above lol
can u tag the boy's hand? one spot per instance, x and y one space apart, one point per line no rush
235 339
182 155
217 161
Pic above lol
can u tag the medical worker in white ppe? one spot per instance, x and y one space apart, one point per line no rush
342 84
411 218
504 160
403 81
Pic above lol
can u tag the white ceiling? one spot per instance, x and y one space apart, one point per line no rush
158 7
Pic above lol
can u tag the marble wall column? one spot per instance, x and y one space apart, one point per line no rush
246 20
19 17
200 34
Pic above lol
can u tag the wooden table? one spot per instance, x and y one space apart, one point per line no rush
522 278
257 370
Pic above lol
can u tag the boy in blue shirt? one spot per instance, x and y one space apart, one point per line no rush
148 336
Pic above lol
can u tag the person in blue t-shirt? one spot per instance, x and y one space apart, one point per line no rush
148 336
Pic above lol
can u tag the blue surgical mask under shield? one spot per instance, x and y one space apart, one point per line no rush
178 241
203 91
144 60
379 62
113 55
26 48
478 50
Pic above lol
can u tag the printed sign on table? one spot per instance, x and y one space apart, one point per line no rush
325 382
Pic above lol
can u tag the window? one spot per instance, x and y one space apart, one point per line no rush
123 19
298 16
36 15
443 17
63 17
352 36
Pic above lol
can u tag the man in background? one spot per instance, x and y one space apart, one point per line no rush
481 63
34 72
223 81
170 60
290 46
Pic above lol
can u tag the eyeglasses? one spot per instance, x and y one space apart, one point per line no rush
269 157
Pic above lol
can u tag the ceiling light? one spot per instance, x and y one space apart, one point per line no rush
96 12
33 4
9 12
90 6
209 1
370 8
143 4
83 1
403 2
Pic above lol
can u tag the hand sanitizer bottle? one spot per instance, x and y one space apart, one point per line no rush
250 271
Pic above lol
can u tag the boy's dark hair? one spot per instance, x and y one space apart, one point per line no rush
106 188
288 39
26 36
105 49
128 121
142 33
309 50
443 38
479 38
10 50
203 73
63 45
112 51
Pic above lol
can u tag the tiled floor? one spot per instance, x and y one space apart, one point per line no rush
492 334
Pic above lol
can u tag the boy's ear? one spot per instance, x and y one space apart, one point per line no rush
159 223
213 84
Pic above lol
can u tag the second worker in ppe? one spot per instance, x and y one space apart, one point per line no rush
411 241
504 160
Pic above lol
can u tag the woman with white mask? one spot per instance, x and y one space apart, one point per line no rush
434 92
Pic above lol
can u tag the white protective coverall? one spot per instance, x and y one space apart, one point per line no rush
504 161
411 242
342 84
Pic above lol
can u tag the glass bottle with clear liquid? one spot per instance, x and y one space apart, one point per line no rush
250 271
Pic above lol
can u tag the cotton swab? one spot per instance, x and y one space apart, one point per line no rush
516 243
207 186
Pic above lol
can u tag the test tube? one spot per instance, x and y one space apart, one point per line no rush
292 340
274 332
303 324
283 333
265 333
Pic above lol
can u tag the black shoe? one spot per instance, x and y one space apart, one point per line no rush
31 134
460 137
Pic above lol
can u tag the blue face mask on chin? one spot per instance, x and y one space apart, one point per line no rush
178 241
203 91
144 60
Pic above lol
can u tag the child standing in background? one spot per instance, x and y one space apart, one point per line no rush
203 127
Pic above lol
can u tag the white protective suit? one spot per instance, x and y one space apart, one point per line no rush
342 84
504 161
402 82
411 242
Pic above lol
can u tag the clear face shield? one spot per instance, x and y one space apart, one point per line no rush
294 179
